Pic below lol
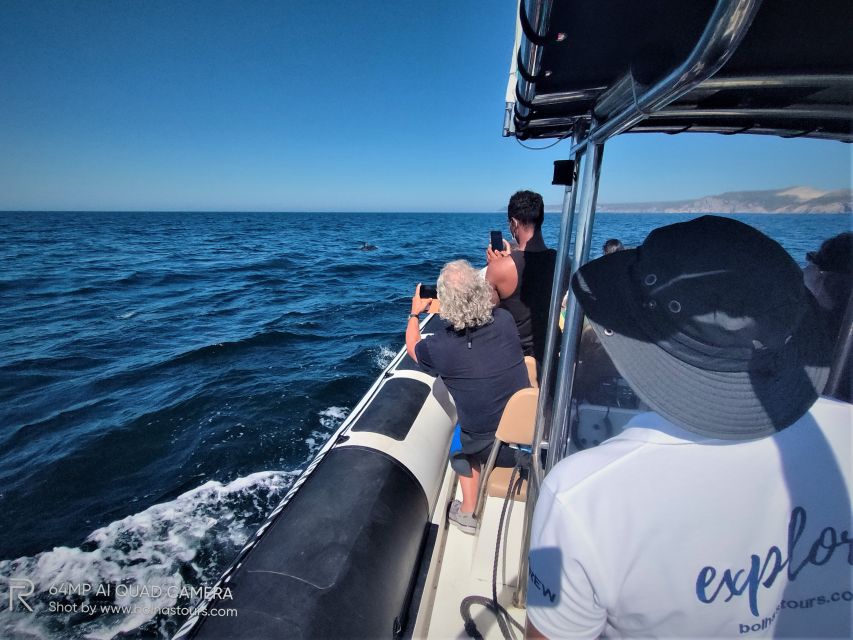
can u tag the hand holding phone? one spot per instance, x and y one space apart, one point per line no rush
421 301
498 247
429 291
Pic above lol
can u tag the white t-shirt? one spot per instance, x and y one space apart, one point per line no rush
658 532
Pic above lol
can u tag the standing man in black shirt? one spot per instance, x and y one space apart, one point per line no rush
522 277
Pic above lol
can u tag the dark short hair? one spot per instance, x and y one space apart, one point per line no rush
835 254
527 207
613 245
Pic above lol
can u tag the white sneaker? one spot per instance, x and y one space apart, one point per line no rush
464 521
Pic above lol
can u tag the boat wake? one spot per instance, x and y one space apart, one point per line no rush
330 419
142 574
383 356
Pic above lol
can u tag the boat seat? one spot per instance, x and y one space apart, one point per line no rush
530 363
499 484
515 428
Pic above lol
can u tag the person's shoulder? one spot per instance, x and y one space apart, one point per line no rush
830 413
501 267
504 321
825 404
424 344
434 350
502 316
587 470
442 335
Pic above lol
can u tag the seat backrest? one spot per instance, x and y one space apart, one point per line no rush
530 363
519 417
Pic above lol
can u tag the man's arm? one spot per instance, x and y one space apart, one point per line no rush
413 336
413 330
502 275
564 576
532 633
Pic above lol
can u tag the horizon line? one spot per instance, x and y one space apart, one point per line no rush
552 210
244 211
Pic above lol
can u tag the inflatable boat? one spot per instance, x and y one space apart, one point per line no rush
339 556
360 546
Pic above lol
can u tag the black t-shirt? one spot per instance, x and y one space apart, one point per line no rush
530 303
480 379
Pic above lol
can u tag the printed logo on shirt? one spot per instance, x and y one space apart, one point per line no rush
762 572
546 592
805 603
544 573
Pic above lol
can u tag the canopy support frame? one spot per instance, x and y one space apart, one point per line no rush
724 32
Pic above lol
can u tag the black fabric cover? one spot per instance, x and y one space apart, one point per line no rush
591 44
394 408
339 560
530 303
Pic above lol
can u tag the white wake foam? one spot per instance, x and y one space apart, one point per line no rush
185 542
330 419
383 356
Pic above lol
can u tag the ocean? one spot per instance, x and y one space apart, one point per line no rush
165 377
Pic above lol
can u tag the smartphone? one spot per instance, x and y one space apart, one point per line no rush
428 291
497 241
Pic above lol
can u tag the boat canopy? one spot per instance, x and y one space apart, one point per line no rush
782 67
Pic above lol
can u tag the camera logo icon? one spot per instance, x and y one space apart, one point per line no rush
19 590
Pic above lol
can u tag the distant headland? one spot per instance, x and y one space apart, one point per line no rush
789 200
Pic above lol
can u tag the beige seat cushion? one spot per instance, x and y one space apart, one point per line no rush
530 363
499 482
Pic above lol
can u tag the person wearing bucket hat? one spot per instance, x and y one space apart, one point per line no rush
829 276
727 511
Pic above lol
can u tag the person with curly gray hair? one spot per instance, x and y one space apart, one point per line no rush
479 358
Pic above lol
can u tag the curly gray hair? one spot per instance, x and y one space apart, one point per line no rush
465 296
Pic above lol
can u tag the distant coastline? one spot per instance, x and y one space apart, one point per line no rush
789 200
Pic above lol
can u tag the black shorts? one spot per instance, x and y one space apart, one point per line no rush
462 461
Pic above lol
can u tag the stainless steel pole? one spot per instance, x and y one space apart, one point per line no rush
561 417
839 373
541 433
540 438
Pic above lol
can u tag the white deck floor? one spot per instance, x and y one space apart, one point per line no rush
463 566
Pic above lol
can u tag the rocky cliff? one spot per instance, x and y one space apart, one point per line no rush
789 200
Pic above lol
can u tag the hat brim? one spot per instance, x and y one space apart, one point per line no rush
717 404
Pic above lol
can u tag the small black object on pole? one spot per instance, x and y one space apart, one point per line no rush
564 171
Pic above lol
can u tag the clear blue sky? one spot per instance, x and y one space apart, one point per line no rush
348 105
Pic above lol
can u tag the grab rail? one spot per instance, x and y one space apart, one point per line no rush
726 28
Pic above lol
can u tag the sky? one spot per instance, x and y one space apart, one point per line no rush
343 105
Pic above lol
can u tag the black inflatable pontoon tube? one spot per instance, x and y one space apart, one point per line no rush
337 562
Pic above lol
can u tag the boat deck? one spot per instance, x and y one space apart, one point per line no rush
462 566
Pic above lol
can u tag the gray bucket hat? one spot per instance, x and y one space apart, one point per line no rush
711 324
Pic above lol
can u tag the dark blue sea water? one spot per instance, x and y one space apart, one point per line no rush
165 376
